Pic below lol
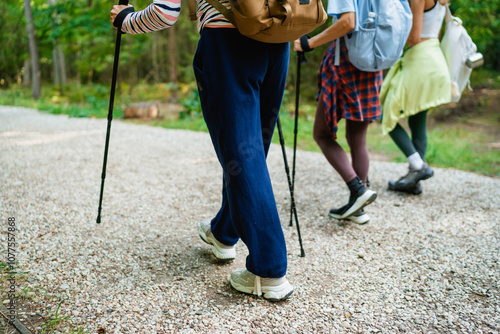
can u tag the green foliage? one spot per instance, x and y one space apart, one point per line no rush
192 106
483 78
308 71
83 101
481 18
13 41
83 30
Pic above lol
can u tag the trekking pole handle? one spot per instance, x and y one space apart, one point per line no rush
123 3
302 57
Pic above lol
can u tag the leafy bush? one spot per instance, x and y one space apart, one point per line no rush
192 106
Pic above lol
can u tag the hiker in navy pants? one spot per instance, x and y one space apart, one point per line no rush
241 83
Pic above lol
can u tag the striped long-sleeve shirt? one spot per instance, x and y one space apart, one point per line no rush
159 15
210 17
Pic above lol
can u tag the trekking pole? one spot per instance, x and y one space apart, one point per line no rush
287 170
110 114
301 59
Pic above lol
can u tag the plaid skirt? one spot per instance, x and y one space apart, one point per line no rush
346 91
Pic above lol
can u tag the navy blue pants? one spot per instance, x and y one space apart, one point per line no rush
241 84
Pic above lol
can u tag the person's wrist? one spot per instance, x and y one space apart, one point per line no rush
304 44
120 17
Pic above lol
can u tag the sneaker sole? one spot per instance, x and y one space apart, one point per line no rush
360 220
249 291
225 255
408 190
367 198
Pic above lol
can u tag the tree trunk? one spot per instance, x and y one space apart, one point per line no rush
132 68
57 55
35 59
27 73
62 65
90 75
78 74
155 56
498 64
172 50
55 63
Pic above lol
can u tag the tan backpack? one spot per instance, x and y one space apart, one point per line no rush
271 21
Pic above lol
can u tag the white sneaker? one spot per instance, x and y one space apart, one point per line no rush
273 289
220 250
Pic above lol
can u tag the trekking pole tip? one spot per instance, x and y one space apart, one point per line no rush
302 253
98 220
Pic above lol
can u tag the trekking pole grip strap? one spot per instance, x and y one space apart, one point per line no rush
121 15
304 43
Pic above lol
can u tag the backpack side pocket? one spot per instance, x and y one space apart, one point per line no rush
360 49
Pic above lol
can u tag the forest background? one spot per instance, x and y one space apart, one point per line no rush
57 56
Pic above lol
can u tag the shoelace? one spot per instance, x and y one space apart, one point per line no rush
256 286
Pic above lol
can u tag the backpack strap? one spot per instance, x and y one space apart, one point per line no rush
223 10
192 10
448 17
337 52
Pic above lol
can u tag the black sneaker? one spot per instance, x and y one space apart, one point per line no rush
355 204
411 179
358 199
415 190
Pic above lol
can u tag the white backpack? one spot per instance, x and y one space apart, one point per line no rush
460 53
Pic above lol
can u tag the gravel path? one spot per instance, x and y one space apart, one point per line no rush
424 264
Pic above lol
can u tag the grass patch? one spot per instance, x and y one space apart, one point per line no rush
459 148
54 320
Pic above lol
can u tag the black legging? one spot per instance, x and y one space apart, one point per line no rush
418 143
335 154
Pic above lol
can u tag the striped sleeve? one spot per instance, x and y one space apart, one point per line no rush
210 17
159 15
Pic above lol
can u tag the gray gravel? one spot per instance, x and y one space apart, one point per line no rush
424 264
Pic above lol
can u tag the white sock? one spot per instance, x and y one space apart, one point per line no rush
415 161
